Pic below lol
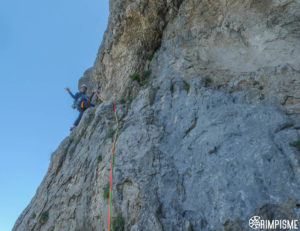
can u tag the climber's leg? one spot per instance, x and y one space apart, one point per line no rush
78 119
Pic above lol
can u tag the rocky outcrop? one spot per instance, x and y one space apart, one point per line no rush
204 144
134 33
240 45
251 46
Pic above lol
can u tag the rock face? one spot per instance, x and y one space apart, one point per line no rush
204 143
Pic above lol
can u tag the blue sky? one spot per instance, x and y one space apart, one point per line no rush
45 46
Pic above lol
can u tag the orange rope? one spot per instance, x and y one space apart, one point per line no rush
111 169
111 164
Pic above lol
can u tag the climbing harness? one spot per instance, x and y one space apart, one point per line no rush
85 102
111 165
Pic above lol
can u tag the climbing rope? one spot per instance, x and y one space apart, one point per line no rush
111 163
111 168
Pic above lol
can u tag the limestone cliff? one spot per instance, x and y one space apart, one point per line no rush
204 140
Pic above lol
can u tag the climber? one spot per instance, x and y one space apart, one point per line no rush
81 102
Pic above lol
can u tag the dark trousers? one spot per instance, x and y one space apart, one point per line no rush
81 111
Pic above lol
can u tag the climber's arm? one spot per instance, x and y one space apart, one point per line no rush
96 92
73 96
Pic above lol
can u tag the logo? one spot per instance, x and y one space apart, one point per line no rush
254 222
257 223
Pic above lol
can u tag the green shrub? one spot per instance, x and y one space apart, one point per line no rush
106 191
110 133
118 223
141 79
135 77
187 87
33 215
255 83
122 101
296 144
261 87
44 217
99 159
145 76
150 55
262 97
207 81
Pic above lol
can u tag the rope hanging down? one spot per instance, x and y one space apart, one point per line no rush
111 163
111 168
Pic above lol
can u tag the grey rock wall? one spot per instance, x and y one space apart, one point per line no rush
205 143
203 158
235 43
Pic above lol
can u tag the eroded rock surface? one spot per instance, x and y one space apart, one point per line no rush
205 143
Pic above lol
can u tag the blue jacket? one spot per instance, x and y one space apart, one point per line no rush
79 97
